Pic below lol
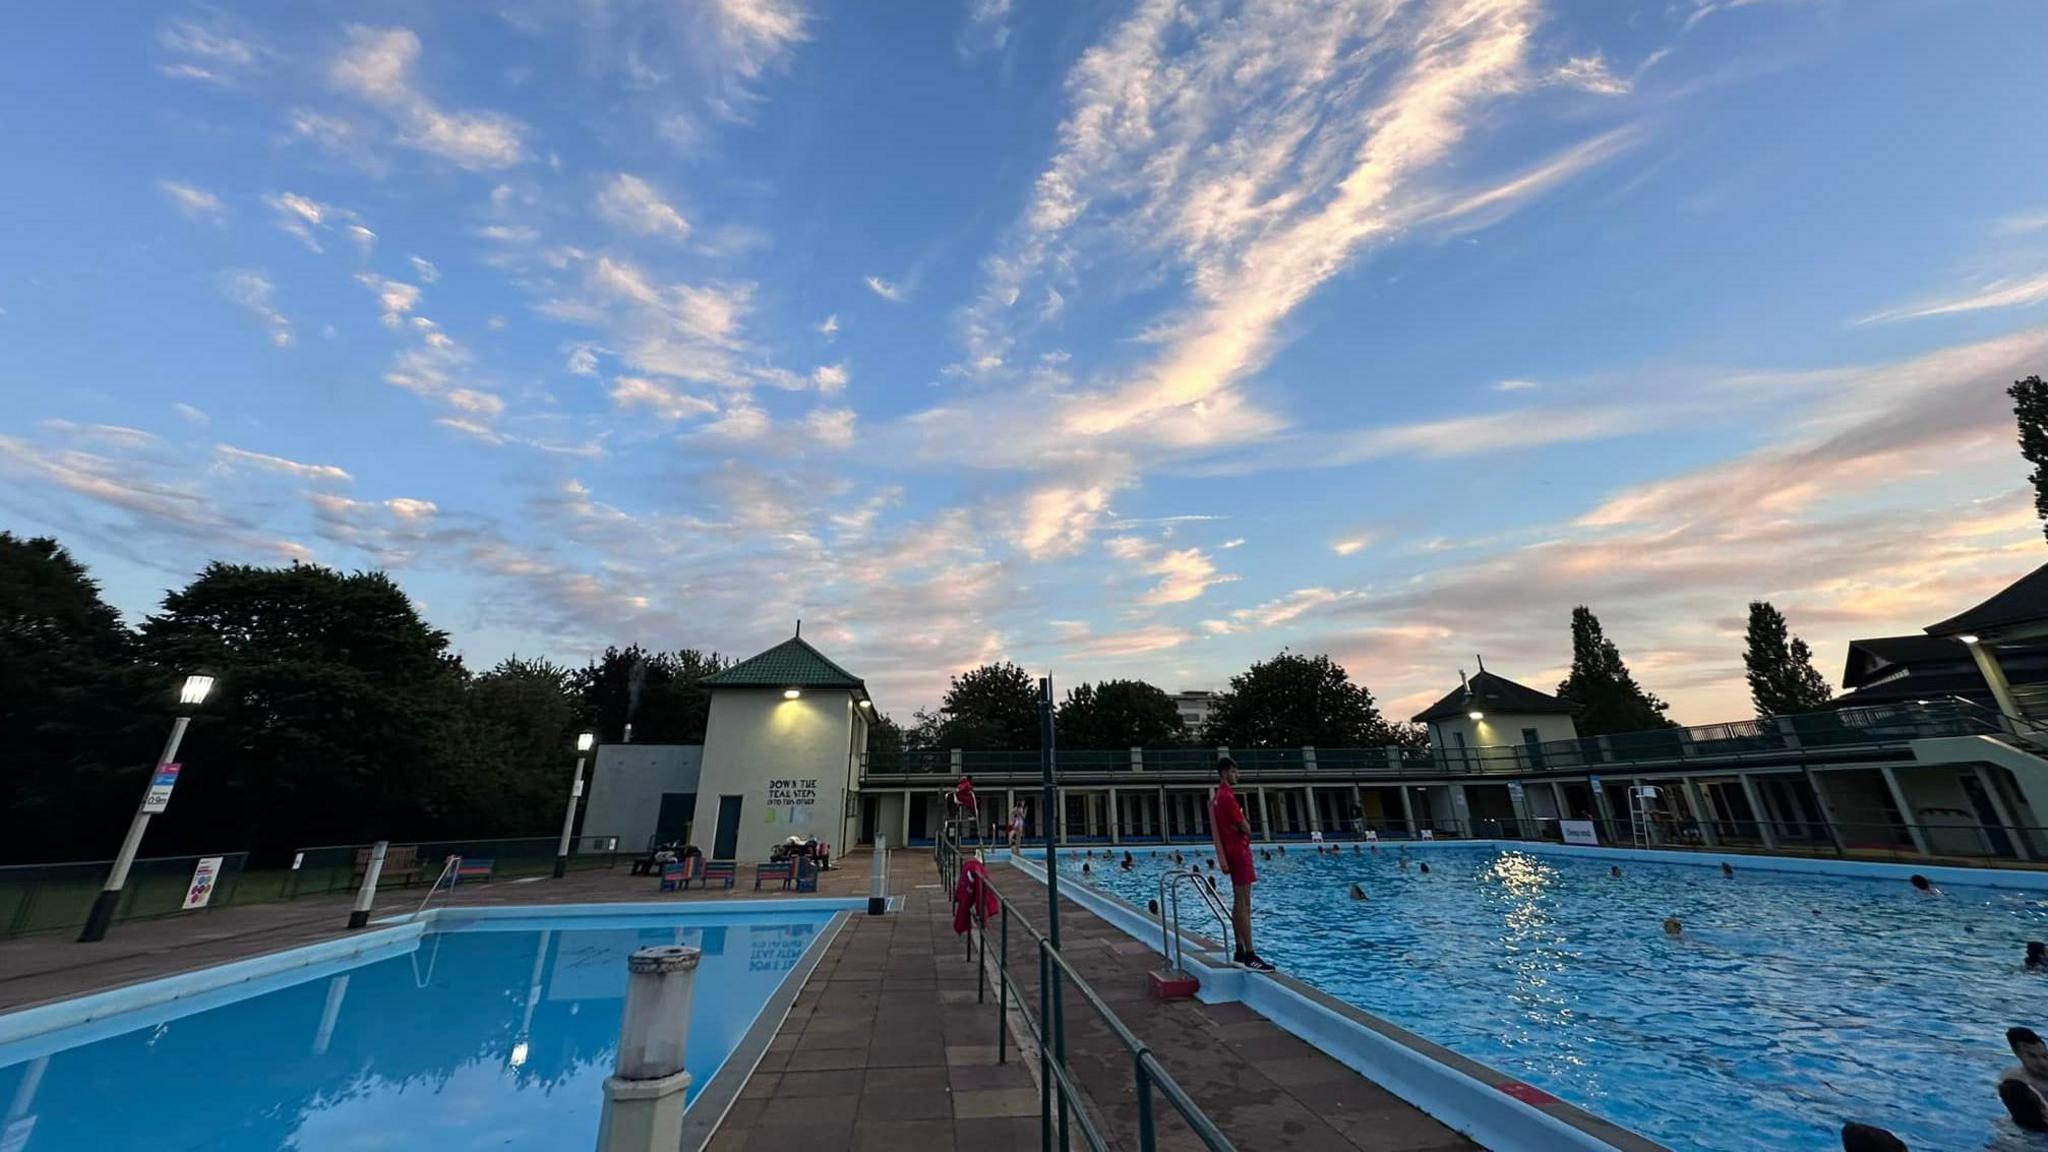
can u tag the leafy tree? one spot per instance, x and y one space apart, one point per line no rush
503 768
1414 737
1782 678
332 701
1609 699
72 707
2030 411
1119 714
1293 701
656 691
991 707
885 736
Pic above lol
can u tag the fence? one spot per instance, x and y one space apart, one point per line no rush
51 897
1061 1107
339 867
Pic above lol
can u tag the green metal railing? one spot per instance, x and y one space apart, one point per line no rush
1061 1107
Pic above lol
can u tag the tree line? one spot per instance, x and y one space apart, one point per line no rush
339 714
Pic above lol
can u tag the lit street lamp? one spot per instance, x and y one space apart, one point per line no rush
584 743
155 798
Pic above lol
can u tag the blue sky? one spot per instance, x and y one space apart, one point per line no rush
1123 339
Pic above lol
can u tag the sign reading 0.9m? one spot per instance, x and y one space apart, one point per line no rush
792 799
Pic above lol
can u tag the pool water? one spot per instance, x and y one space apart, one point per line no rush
496 1035
1791 1003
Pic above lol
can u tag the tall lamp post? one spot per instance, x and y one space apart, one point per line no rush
584 743
155 798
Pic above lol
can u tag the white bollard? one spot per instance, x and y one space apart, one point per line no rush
643 1098
878 883
367 894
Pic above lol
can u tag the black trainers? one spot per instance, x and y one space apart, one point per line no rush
1255 962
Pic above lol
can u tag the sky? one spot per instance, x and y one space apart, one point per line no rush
1144 338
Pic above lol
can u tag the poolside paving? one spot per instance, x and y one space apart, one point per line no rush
885 1046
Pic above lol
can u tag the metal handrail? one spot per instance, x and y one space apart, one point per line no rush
1057 1090
1170 884
448 867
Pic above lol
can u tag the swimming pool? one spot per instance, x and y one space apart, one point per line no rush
1790 1004
488 1033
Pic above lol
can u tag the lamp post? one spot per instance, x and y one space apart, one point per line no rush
156 797
584 743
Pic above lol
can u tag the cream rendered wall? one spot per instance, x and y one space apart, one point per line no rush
754 736
1500 730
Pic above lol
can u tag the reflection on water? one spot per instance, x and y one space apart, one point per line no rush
1791 1003
499 1037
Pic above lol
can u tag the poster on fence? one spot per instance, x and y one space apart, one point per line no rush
1578 831
203 878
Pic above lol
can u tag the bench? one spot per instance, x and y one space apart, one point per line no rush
677 874
806 876
724 870
779 870
474 870
401 863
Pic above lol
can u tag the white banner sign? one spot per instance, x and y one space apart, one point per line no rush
203 878
161 782
1578 831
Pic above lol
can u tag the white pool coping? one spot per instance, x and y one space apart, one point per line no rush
1462 1094
217 984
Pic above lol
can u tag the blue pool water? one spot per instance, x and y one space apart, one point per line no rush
456 1045
1791 1004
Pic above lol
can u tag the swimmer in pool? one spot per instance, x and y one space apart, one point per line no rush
1727 870
1866 1138
1923 884
1085 870
2021 1088
1424 868
1614 871
1673 927
2037 956
1127 863
1357 893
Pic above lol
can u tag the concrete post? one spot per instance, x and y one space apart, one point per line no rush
1891 781
330 1013
1827 810
643 1098
1308 758
1137 759
1315 818
1756 809
367 894
1058 816
1265 829
2013 831
904 839
1994 675
1116 828
1165 829
1701 816
1407 809
878 881
1357 805
1786 731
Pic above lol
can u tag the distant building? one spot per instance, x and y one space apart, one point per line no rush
1194 707
1995 655
1493 712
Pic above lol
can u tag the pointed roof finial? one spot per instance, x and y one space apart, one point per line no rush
1482 662
799 627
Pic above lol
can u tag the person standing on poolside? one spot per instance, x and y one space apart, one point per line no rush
1017 826
1232 835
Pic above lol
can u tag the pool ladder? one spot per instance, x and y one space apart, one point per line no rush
449 868
1170 886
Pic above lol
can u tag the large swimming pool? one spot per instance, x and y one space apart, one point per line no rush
496 1034
1790 1004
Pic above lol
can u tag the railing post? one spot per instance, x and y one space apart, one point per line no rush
1143 1081
981 963
367 894
878 882
1044 1051
1003 989
643 1098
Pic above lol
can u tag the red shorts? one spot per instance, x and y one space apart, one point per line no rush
1238 862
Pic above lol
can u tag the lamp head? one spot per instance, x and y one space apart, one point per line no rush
193 692
791 693
1475 714
586 741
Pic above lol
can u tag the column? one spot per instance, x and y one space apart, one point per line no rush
1407 809
1137 759
1165 817
1265 814
1994 675
1116 828
1756 809
903 841
1827 810
2013 832
1315 818
1058 815
1357 802
1702 818
1891 781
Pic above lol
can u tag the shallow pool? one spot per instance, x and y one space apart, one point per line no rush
498 1034
1790 1004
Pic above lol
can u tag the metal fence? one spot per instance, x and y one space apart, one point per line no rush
339 867
54 897
1062 1110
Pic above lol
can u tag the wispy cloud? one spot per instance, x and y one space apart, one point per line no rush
987 28
254 292
212 47
829 326
193 202
1184 573
192 415
893 293
633 206
228 454
2010 292
378 65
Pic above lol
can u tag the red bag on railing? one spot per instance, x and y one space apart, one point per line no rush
973 888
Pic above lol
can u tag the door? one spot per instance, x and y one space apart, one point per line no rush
1532 744
672 824
726 845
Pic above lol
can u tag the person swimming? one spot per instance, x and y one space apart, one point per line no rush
1727 870
1085 870
1869 1138
1923 884
2037 956
1424 868
1128 862
1283 849
1357 893
1673 927
1614 871
2020 1089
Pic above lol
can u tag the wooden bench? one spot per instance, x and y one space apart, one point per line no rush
677 874
401 863
779 870
477 870
726 871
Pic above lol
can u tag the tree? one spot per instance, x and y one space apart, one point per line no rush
1608 697
656 691
505 762
1293 701
1119 714
992 707
1782 678
885 736
331 703
1413 737
72 707
2030 411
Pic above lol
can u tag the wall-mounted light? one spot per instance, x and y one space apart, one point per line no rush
1968 638
791 693
1476 715
868 704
